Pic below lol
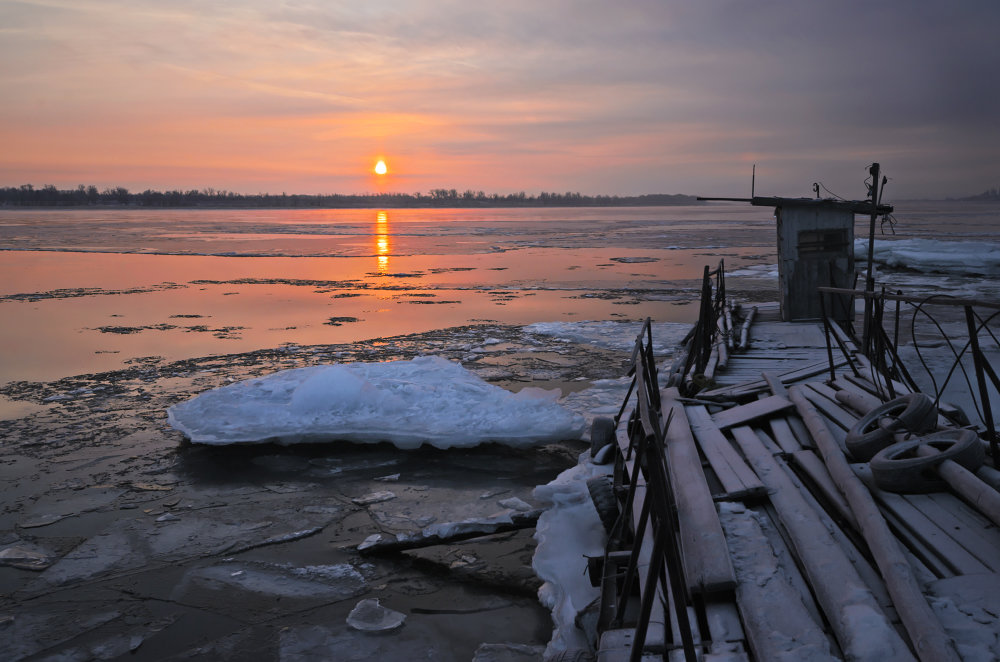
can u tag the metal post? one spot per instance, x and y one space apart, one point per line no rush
978 359
870 278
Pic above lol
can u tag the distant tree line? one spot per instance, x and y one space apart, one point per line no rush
989 194
82 196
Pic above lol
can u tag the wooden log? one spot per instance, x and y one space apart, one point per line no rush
840 591
713 362
707 565
830 408
737 479
859 401
751 411
745 329
924 629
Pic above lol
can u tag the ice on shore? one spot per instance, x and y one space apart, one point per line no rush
932 256
568 532
425 400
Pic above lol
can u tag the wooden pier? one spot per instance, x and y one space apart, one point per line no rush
748 530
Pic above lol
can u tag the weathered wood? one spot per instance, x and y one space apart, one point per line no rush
762 585
914 525
830 408
967 526
858 400
774 383
751 411
814 468
745 329
783 435
922 625
980 496
736 477
707 565
839 589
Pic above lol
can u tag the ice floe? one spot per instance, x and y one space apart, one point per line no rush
613 335
425 400
932 256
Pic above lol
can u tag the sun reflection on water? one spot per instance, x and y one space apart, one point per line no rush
382 245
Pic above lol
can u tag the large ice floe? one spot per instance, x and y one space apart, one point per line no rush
426 400
933 256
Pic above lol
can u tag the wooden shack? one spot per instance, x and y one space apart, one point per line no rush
815 249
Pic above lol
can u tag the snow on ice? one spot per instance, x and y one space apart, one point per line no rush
932 256
409 403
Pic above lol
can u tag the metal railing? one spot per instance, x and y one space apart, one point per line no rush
980 320
644 463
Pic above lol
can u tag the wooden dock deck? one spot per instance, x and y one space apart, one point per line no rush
785 546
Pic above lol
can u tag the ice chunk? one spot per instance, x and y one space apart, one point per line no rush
326 582
374 497
425 400
370 616
26 557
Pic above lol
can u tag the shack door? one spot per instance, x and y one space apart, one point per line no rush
815 249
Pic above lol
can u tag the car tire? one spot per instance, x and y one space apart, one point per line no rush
898 468
602 433
602 494
913 412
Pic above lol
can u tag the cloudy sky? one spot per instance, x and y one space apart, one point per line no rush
600 97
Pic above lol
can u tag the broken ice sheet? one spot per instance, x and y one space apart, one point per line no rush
326 582
369 616
314 642
374 497
28 633
515 504
41 520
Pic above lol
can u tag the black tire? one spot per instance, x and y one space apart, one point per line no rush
602 433
898 468
602 493
913 412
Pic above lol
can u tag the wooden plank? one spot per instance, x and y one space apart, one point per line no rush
916 525
838 587
783 435
707 565
736 477
814 468
751 411
970 529
830 408
763 585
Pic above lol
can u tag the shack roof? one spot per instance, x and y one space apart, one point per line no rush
856 206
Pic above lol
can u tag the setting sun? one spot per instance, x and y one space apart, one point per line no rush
380 168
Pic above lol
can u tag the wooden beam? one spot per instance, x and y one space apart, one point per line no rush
922 625
751 411
707 565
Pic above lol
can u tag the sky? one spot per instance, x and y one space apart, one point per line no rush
626 97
